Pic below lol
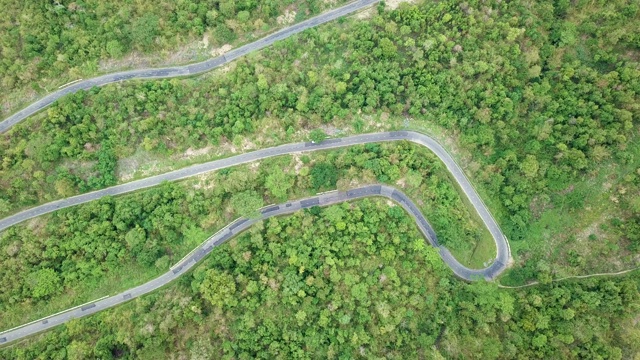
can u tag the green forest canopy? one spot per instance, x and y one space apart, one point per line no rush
112 244
298 287
543 115
544 96
46 43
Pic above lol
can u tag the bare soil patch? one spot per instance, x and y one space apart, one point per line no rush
288 17
593 228
366 14
221 50
191 153
393 4
127 167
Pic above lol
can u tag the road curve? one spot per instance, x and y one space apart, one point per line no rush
185 70
503 251
502 245
243 224
285 149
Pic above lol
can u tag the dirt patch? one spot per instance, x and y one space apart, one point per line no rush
366 14
298 164
204 44
393 4
372 123
191 153
224 69
567 190
248 145
184 301
152 169
539 205
148 329
37 225
593 228
366 177
221 50
226 148
82 169
330 130
203 182
137 60
287 18
128 167
13 249
473 167
9 106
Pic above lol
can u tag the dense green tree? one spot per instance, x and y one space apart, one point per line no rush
314 292
278 183
144 30
219 289
542 98
246 203
317 135
44 283
324 175
68 40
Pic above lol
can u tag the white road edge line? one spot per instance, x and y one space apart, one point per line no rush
52 315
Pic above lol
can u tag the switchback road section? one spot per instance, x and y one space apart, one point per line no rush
503 252
237 227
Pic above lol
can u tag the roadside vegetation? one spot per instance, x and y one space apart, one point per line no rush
91 250
542 99
305 287
44 44
538 100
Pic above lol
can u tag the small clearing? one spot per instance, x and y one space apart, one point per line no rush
129 166
593 228
37 225
393 4
136 60
365 14
204 44
298 163
205 181
226 148
248 145
221 50
191 153
287 18
330 130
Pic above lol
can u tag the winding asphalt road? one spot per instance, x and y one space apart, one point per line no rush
237 227
503 253
185 70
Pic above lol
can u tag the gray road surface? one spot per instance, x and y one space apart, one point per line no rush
185 70
503 252
501 260
237 227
